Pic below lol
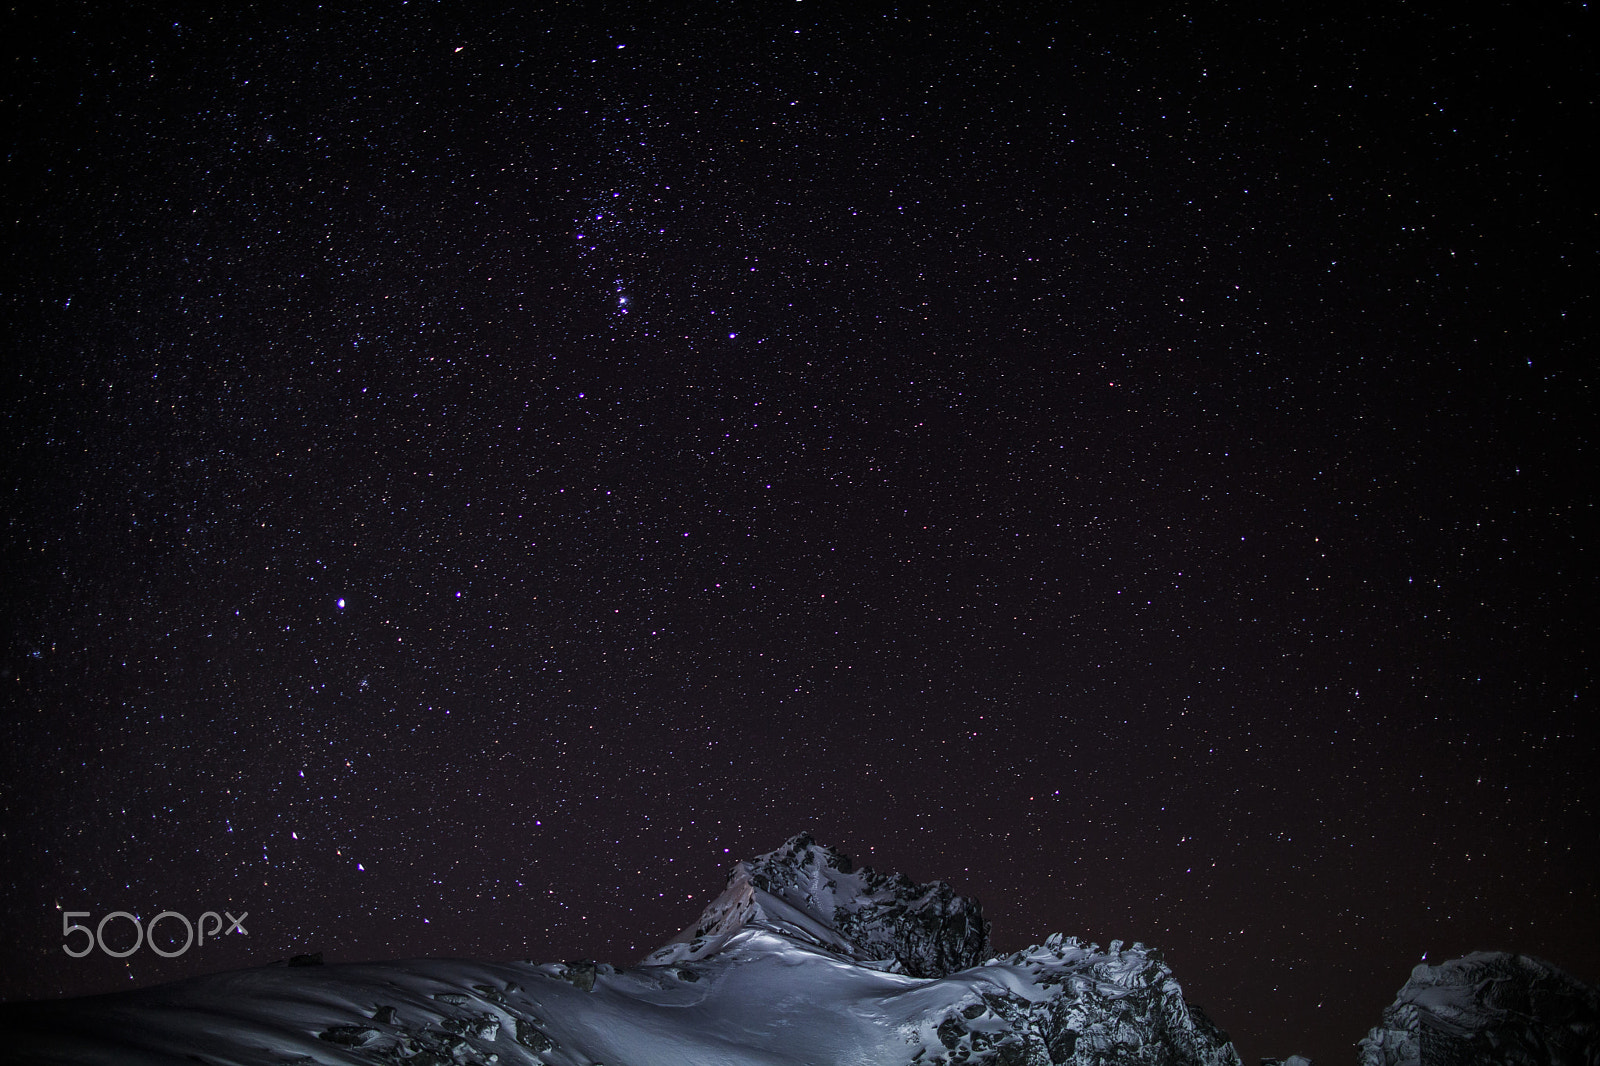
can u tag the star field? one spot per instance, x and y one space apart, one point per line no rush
471 475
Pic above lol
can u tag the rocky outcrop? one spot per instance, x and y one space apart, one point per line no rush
803 959
1062 1002
1085 1007
1514 1010
927 929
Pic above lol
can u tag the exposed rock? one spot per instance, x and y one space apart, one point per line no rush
1514 1010
581 973
482 1026
349 1035
813 893
531 1036
803 958
1096 1007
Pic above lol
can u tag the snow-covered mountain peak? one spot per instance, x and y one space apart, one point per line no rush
813 895
1489 1006
803 960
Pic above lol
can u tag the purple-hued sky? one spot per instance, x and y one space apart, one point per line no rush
472 474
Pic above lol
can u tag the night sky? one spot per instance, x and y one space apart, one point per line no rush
472 472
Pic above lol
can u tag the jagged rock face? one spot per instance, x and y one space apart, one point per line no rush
1488 1007
1057 1004
802 960
1085 1007
926 928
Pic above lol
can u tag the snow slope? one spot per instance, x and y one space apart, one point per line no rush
801 960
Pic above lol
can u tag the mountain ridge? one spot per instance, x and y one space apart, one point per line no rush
802 960
814 893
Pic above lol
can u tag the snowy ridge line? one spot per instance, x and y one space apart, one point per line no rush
802 960
814 893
